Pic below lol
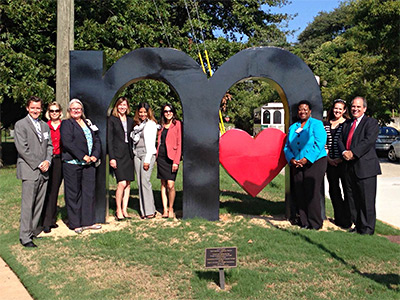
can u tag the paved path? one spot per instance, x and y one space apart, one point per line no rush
388 194
10 286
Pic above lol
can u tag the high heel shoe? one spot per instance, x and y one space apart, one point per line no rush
118 219
128 217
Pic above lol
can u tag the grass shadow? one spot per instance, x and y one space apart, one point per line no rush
390 281
246 204
211 276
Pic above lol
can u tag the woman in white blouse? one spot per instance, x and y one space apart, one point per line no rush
144 147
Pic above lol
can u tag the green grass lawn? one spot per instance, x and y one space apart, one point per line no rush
164 259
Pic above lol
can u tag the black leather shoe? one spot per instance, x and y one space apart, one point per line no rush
353 230
29 245
54 226
47 229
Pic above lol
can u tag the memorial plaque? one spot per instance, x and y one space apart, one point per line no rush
224 257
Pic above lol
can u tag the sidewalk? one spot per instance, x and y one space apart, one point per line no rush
10 286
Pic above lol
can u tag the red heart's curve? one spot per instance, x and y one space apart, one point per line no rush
252 162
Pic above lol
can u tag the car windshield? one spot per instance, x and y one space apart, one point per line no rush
388 131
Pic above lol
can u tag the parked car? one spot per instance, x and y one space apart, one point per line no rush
394 150
387 135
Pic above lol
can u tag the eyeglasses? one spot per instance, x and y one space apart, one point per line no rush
339 100
54 110
167 111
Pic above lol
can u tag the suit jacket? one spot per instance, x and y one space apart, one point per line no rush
31 151
74 141
366 163
116 137
173 142
309 143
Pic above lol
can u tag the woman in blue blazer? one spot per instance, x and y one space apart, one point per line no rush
306 155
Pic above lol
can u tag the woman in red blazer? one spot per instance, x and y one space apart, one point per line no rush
169 152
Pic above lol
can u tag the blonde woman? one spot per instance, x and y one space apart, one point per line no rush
81 150
120 126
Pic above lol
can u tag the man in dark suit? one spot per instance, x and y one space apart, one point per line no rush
34 146
362 165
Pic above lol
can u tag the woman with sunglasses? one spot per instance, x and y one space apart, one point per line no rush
335 171
54 115
144 147
169 153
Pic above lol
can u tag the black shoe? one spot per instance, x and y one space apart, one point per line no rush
29 245
353 230
118 219
47 229
54 226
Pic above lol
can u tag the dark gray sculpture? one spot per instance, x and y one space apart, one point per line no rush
200 98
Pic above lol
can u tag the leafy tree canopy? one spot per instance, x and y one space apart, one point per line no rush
357 56
28 37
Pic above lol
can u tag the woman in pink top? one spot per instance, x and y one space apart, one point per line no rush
169 152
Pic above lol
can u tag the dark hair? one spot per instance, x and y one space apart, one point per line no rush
150 114
163 120
306 102
119 101
34 99
330 112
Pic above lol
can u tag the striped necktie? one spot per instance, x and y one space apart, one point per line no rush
38 130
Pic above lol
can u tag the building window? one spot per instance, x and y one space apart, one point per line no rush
277 117
266 117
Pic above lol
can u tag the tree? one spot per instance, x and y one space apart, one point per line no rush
361 59
28 36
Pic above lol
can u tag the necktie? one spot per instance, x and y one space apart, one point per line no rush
38 130
350 136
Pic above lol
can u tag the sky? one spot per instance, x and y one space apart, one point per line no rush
306 10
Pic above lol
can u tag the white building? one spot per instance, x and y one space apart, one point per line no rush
270 115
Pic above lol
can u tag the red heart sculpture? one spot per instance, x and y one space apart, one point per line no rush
252 162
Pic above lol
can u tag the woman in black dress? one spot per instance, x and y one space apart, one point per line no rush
169 153
335 171
121 155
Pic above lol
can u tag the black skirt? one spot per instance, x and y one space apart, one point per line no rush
164 164
125 166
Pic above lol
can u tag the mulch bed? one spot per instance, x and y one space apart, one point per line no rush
393 238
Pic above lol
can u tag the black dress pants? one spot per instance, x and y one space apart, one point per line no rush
340 201
79 190
53 186
307 187
364 195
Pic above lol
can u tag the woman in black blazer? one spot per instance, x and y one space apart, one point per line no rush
81 151
120 151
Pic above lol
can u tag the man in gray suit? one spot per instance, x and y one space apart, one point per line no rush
34 146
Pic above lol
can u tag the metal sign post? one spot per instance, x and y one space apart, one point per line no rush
224 257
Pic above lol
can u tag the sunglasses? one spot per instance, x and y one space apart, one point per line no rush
54 110
167 111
